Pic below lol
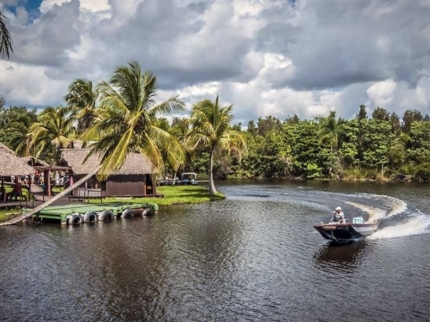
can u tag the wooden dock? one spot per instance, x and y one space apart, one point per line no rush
86 213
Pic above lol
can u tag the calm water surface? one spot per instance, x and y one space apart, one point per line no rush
251 257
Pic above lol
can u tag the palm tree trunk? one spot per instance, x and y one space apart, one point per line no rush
18 219
212 189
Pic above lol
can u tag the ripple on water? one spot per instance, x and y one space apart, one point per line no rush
251 257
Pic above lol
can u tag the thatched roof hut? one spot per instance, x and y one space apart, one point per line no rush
11 164
34 162
135 163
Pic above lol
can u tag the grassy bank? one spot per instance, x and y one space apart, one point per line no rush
173 195
6 214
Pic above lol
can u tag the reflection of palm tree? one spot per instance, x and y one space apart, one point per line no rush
126 120
5 38
54 127
81 99
210 127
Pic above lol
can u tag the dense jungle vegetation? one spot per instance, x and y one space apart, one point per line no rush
379 146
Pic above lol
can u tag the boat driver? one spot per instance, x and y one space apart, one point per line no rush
338 216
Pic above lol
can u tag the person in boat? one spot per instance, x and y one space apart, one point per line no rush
338 216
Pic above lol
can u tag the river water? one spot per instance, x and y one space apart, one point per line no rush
252 257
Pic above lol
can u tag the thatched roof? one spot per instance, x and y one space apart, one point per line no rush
135 163
34 162
11 165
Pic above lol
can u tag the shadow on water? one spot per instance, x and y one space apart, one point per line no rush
344 256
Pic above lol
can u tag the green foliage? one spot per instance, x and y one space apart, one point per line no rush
122 117
211 129
5 38
127 121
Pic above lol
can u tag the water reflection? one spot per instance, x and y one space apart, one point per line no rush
251 257
345 257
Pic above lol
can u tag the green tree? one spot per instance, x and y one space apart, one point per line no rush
81 100
5 38
126 120
410 116
381 114
14 124
329 130
306 149
210 127
362 114
54 128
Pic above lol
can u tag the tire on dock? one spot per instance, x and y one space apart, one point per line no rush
74 218
90 216
106 215
127 213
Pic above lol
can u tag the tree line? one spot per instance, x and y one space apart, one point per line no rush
121 116
380 146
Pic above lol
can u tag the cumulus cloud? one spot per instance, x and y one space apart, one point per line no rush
276 57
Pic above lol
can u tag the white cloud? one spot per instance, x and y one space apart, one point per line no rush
381 93
30 85
88 5
264 57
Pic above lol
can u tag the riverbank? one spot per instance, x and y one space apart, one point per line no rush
173 195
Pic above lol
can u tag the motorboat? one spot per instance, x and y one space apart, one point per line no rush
348 231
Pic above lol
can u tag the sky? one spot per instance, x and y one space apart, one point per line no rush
266 57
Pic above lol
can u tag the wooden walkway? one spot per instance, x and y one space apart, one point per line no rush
33 204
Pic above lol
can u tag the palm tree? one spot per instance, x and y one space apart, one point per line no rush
329 130
19 128
81 99
210 127
53 128
5 38
126 120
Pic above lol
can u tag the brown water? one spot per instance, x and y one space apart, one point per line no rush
251 257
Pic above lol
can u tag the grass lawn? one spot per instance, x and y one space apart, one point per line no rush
6 214
173 195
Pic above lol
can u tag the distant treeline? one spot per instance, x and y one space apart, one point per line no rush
380 146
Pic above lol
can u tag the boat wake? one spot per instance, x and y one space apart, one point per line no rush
414 225
410 223
390 207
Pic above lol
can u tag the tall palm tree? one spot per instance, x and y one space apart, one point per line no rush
81 99
210 127
19 128
53 128
126 120
5 38
329 130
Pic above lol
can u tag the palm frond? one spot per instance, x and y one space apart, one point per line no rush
5 38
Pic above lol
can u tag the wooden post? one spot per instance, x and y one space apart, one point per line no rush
4 190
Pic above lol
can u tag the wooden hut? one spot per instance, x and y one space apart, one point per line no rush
12 165
33 162
134 179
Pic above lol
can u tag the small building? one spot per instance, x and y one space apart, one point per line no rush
33 162
11 165
134 179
